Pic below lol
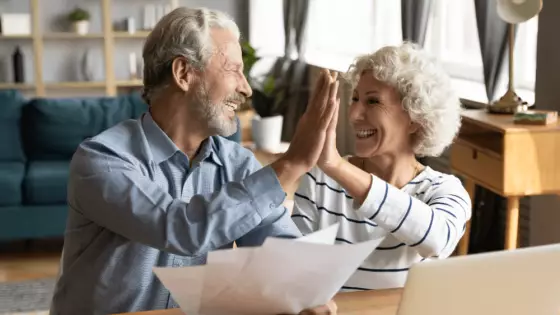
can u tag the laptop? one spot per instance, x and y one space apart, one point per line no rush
517 282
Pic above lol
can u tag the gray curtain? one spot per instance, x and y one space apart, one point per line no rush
293 75
295 18
493 38
414 19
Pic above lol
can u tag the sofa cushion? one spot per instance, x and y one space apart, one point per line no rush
45 182
11 178
11 104
53 128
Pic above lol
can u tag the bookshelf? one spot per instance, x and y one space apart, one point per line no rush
105 38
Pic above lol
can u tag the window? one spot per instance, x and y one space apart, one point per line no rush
452 36
337 32
266 27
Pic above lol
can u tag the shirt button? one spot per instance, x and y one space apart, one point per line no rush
272 206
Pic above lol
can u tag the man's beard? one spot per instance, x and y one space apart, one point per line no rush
215 116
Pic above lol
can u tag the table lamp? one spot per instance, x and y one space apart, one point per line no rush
513 12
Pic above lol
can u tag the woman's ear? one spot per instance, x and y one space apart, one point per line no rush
182 73
413 127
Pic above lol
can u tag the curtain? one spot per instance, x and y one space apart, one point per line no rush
293 74
295 19
414 19
493 38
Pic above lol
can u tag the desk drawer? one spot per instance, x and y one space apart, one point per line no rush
480 166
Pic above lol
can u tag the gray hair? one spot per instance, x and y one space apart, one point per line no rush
425 89
183 32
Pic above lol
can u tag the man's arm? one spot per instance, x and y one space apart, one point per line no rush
277 224
110 191
114 194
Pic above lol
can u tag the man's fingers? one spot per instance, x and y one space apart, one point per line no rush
332 106
328 309
334 119
319 84
323 98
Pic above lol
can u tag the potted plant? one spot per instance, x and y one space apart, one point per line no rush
80 20
267 102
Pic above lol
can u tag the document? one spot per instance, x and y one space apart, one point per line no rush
283 276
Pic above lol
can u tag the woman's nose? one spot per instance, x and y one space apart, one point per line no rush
356 111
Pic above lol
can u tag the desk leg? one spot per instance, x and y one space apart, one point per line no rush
463 246
512 222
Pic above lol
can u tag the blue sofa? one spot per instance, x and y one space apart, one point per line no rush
37 140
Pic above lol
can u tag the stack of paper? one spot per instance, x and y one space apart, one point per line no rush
283 276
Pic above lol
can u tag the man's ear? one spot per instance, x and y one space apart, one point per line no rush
183 73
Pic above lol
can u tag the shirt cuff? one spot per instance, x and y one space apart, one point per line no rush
265 190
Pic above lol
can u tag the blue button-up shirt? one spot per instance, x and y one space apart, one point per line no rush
136 203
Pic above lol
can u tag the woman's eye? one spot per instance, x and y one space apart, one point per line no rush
354 99
373 101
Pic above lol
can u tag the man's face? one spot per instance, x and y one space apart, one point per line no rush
221 88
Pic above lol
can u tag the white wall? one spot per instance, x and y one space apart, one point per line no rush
545 210
62 56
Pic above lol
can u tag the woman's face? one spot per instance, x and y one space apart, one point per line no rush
381 125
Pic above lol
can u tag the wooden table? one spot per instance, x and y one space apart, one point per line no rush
511 160
381 302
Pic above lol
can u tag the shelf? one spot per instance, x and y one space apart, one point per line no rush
2 36
139 34
21 86
130 83
75 85
71 35
104 35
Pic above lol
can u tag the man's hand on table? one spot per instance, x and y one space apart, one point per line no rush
328 309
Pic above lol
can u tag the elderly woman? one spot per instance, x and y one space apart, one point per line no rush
402 106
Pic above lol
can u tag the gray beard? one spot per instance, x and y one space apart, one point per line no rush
215 116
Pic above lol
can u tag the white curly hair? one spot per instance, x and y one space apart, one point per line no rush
425 90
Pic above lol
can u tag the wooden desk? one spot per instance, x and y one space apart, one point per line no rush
382 302
511 160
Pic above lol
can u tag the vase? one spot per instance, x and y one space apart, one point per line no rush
86 67
18 68
81 27
267 133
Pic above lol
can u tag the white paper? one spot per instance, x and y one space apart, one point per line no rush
284 276
324 236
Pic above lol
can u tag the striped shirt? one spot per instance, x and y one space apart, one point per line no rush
424 219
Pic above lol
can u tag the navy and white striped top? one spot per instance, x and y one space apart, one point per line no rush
424 219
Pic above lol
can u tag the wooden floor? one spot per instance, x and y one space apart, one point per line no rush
21 261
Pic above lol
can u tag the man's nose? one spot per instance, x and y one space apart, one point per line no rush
244 88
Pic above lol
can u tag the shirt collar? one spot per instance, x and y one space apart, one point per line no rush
163 148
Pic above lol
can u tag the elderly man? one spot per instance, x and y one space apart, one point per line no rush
166 189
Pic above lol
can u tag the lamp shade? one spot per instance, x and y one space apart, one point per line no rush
518 11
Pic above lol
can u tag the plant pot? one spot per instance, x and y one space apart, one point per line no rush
267 132
81 27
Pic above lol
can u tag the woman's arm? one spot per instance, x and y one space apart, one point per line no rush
305 214
434 228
